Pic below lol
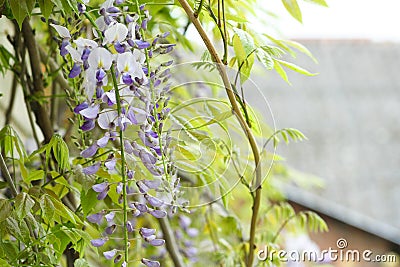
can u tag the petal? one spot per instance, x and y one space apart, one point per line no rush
117 33
88 125
119 188
157 242
103 194
109 217
91 169
100 188
100 58
61 30
110 164
95 218
75 71
158 213
192 232
146 232
155 202
106 119
98 242
80 107
129 227
90 151
76 56
102 142
90 112
109 254
82 42
110 229
141 207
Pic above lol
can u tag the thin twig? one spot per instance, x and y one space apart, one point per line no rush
12 99
6 174
242 121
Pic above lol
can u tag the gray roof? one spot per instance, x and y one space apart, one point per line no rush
350 113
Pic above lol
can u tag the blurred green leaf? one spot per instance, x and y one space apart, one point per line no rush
34 175
318 2
296 68
293 8
46 6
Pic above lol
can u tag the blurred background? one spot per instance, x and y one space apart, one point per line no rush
350 113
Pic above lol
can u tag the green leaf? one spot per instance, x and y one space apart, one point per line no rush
5 209
46 6
293 8
278 68
296 68
21 9
4 263
23 204
318 2
34 175
88 201
47 207
245 45
5 59
63 211
301 48
265 59
61 152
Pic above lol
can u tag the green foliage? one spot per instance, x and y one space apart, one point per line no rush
49 212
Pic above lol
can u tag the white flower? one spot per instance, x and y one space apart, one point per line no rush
100 58
116 32
76 56
62 31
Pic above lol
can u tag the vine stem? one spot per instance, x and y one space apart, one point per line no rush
168 234
121 139
256 193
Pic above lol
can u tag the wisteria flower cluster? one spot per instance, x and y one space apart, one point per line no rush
121 89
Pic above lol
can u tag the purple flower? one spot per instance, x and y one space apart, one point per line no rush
90 112
146 232
150 263
100 187
192 232
90 151
155 202
98 242
157 242
75 71
91 169
158 213
95 218
110 216
129 227
102 142
110 164
110 229
141 207
119 188
109 254
184 221
87 125
80 107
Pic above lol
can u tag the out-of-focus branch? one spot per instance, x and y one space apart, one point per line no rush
40 111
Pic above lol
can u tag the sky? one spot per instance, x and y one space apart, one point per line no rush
376 20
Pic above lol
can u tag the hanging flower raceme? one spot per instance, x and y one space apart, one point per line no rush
121 89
